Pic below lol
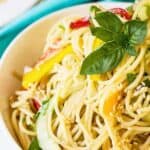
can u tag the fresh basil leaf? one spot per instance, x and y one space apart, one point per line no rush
103 34
109 21
94 9
136 31
147 82
104 59
131 51
131 77
34 145
119 38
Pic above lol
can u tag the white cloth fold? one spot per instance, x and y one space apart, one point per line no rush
9 9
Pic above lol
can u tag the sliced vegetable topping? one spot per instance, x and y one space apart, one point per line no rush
120 38
42 128
34 145
83 22
47 54
36 74
97 43
42 109
122 12
95 77
36 104
110 102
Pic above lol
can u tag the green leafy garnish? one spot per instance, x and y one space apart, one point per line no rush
131 51
34 145
120 38
61 27
131 77
147 82
136 31
130 9
107 56
94 9
42 109
109 21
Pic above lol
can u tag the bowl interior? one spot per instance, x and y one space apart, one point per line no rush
25 50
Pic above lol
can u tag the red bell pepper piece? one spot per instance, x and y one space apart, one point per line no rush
122 12
83 22
36 104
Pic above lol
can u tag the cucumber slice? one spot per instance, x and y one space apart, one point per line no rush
44 139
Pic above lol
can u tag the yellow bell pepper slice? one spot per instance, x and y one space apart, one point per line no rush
95 77
97 43
110 102
43 69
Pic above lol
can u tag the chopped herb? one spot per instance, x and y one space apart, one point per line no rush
24 120
147 82
36 115
45 102
34 145
130 9
119 38
61 27
42 109
131 77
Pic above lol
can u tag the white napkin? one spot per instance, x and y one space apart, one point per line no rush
6 140
9 9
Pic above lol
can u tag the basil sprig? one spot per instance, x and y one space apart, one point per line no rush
94 9
120 38
107 56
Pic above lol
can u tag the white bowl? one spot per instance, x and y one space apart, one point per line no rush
25 50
